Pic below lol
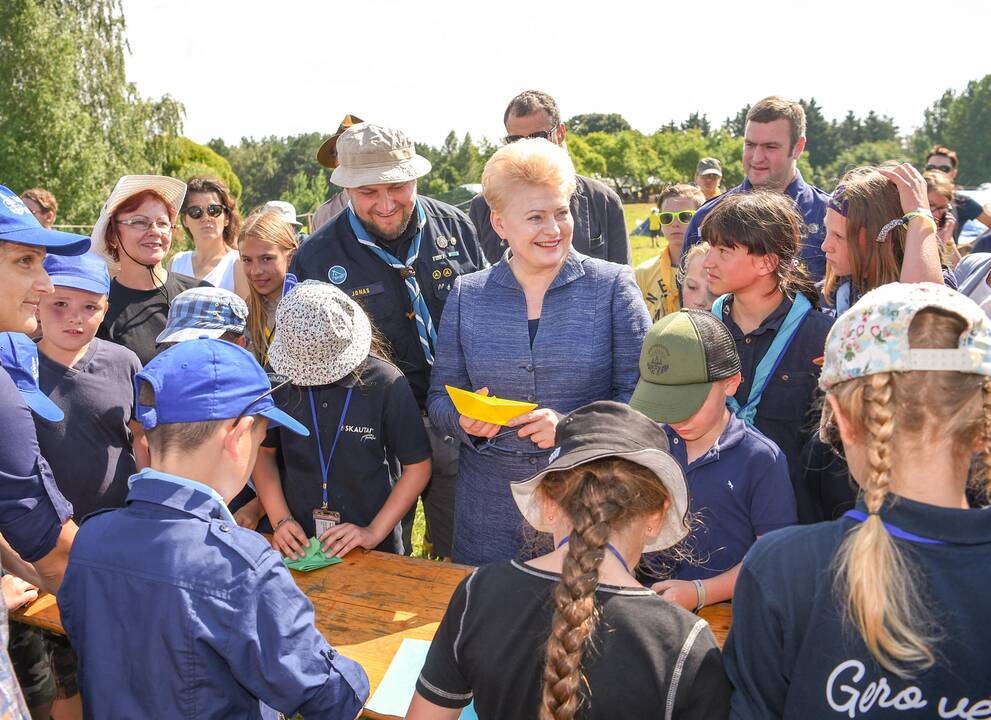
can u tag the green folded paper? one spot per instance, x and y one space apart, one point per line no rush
313 558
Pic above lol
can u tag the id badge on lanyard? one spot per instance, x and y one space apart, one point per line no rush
323 517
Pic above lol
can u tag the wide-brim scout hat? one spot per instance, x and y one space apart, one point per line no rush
607 429
327 154
18 225
370 154
321 335
172 189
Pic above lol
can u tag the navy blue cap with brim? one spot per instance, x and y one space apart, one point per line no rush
208 379
18 225
19 357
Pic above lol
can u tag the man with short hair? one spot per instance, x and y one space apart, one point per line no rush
708 175
42 205
600 226
773 141
965 208
398 254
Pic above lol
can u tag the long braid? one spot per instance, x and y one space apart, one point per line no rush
882 598
575 613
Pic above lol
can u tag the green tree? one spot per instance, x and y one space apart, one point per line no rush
737 125
820 134
935 122
966 131
597 122
866 153
697 122
189 159
69 120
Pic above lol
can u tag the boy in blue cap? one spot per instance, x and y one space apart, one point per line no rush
230 625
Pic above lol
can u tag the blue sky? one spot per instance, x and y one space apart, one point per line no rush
251 68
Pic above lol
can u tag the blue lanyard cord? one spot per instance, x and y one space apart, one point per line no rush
893 530
609 547
768 364
325 464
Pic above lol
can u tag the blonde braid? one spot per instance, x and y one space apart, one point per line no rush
882 597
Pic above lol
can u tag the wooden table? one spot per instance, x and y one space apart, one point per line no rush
366 605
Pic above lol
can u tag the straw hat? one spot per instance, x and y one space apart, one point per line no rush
371 154
172 189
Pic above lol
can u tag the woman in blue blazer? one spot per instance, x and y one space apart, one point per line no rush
546 325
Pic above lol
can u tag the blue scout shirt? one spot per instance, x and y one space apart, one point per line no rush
448 248
738 490
790 654
175 611
811 202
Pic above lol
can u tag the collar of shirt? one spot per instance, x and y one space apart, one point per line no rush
949 525
796 190
730 437
771 322
572 269
158 487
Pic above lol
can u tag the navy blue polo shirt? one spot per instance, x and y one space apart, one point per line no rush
448 248
792 654
382 431
811 202
175 611
788 410
738 490
32 510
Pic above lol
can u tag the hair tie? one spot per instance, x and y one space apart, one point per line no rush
883 234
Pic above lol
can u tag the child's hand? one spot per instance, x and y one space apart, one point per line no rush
539 425
290 540
250 514
911 186
342 539
680 592
16 592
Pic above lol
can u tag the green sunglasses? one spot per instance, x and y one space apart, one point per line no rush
684 217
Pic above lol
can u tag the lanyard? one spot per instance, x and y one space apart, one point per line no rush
325 464
609 547
896 531
768 364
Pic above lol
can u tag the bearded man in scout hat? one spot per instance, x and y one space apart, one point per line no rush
397 254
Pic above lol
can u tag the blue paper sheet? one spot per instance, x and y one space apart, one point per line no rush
394 693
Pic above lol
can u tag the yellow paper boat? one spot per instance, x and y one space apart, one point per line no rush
487 408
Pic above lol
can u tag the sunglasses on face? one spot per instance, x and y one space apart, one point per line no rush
540 134
684 217
142 225
213 210
941 168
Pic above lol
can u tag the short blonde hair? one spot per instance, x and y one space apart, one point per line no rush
531 162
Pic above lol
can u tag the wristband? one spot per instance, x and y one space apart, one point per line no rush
922 213
283 521
700 591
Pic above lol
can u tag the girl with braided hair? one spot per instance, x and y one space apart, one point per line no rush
572 633
882 613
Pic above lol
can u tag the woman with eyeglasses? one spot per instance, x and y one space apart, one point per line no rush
656 276
211 220
134 235
545 325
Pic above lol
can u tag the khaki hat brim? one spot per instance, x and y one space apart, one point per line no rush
352 177
711 171
669 403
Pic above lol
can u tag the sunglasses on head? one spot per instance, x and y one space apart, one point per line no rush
684 217
941 168
213 210
540 134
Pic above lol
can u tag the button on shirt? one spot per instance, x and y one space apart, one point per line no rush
811 202
738 490
448 248
175 611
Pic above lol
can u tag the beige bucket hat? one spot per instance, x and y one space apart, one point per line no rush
369 154
172 189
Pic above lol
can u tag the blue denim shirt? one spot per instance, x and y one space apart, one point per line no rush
587 348
176 612
811 202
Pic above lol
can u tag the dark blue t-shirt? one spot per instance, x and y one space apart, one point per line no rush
738 490
790 654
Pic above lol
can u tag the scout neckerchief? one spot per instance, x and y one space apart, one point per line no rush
325 463
800 309
424 324
185 482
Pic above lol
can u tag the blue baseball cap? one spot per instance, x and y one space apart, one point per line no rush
19 357
208 379
83 272
18 225
204 312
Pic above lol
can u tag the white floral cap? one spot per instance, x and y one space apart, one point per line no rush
872 336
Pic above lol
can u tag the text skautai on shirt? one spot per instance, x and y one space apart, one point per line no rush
853 700
367 433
